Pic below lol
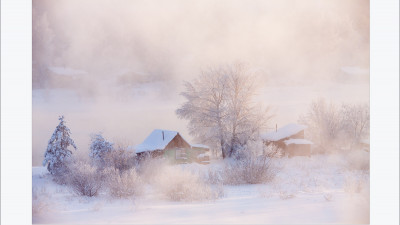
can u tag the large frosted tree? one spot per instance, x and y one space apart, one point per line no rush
57 149
221 110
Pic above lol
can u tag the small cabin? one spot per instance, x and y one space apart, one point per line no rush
290 139
171 146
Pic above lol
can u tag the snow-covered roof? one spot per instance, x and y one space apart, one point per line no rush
155 140
199 146
298 142
283 132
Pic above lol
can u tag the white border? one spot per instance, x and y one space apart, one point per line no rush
16 112
385 112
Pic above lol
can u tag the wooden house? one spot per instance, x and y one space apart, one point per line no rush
170 145
290 139
201 153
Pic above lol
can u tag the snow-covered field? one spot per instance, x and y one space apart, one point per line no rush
320 189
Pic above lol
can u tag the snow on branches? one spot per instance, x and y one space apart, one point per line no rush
99 148
57 149
221 110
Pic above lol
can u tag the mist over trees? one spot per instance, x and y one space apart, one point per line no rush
130 57
332 127
221 110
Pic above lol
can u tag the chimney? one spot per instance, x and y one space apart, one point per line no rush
276 127
163 135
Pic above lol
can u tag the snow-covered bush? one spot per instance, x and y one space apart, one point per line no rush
149 168
99 148
122 184
57 149
84 179
249 170
178 184
214 176
251 166
121 159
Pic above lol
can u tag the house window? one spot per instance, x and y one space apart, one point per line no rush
180 153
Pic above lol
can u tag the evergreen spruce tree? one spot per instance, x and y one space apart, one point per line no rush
99 149
57 149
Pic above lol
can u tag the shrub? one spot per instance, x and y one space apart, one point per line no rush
84 179
181 185
251 166
214 176
149 168
63 174
249 170
120 158
122 184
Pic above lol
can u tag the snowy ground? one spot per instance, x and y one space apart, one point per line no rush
320 189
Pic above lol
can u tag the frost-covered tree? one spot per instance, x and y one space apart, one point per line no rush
356 121
57 149
325 125
330 126
99 148
220 109
324 122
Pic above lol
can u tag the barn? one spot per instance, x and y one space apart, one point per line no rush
290 139
172 146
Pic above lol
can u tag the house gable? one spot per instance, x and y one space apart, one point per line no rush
177 142
157 140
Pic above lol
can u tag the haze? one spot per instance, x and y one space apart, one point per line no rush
118 66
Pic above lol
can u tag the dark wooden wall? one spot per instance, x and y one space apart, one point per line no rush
298 150
177 142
